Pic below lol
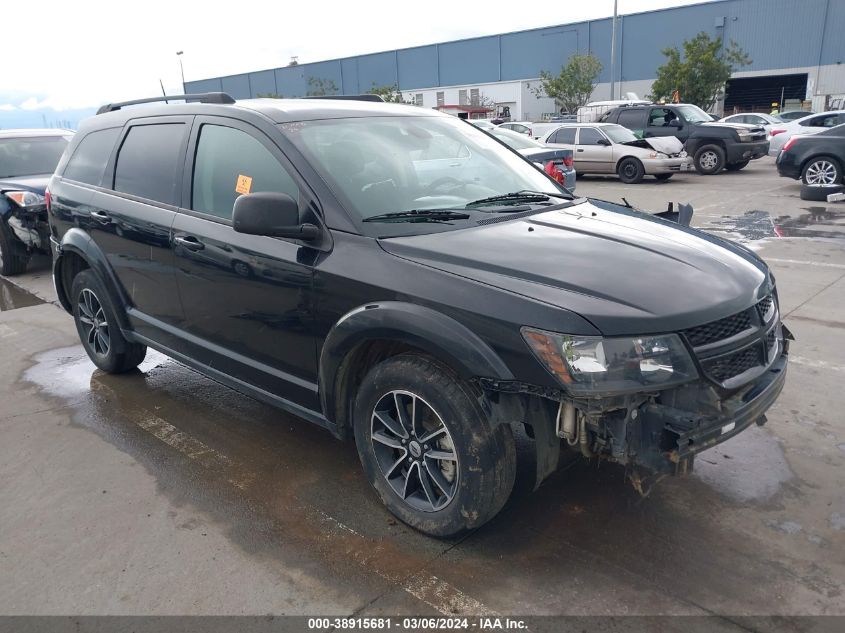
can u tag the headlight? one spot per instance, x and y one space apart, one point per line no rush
590 365
26 199
744 137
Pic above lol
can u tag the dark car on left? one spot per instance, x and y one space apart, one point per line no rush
27 160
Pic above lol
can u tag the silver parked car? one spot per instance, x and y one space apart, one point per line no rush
607 148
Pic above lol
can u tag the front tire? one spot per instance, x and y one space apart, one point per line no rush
630 170
822 170
429 450
11 260
709 159
98 328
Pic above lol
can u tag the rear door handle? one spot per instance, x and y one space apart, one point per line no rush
189 242
579 150
101 216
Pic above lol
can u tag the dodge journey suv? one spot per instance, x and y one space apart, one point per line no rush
396 275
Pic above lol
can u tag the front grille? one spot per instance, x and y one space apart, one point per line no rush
764 307
718 330
726 367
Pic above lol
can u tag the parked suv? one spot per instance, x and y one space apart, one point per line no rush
713 146
396 275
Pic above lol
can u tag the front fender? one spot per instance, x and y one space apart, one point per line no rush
77 241
424 328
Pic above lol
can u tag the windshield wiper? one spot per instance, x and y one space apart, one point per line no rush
419 215
525 195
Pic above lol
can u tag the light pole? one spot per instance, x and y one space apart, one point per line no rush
613 54
181 69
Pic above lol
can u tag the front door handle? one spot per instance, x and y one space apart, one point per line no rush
579 150
189 242
101 216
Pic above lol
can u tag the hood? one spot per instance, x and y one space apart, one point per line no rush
624 271
36 184
666 144
741 127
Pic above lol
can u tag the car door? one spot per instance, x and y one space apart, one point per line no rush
594 156
660 122
130 216
634 119
248 299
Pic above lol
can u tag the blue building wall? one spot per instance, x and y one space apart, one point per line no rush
775 34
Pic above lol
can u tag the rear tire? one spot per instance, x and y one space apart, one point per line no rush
663 176
12 262
98 328
709 159
737 166
822 170
630 170
428 449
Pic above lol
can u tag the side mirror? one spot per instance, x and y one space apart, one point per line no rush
603 141
271 214
676 123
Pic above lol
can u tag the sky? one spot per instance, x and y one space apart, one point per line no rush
64 58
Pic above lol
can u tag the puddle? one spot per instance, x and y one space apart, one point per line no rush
12 297
819 222
748 467
66 372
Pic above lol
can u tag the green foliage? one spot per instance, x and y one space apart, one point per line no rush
391 94
572 87
319 87
269 95
699 77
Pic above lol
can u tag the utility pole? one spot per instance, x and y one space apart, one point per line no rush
613 53
181 69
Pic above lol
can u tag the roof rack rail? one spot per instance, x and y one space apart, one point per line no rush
376 98
202 97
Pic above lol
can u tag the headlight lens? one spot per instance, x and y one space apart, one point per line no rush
744 137
591 365
26 199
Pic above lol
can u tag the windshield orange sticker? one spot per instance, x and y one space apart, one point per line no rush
244 184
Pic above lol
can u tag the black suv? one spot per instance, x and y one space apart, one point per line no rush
397 275
713 146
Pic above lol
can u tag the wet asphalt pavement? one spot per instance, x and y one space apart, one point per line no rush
163 492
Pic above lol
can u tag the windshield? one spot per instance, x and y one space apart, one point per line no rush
619 134
380 165
30 156
694 114
515 140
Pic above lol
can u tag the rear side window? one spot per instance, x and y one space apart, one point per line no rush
564 135
149 160
230 162
631 119
89 159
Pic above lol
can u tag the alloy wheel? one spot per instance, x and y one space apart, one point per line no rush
709 160
821 172
94 322
414 451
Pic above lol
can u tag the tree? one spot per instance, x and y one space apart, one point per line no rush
319 87
572 87
391 94
269 95
700 76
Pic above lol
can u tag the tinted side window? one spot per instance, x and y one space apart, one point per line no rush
631 119
230 162
148 162
660 117
565 135
90 157
589 136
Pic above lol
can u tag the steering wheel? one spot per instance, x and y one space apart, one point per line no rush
444 181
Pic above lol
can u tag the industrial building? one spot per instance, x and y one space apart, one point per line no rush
797 48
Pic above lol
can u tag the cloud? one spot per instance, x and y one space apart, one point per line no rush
7 107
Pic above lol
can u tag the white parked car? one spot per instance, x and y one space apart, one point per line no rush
522 127
766 121
812 124
607 148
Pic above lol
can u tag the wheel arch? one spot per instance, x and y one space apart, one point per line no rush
371 333
78 252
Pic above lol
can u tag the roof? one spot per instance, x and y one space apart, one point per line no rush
286 110
587 124
23 133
